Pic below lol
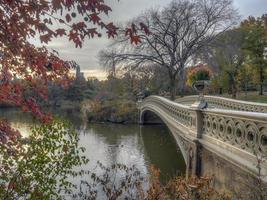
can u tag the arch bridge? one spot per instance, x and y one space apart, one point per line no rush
227 140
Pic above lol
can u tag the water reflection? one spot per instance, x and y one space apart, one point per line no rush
110 144
162 151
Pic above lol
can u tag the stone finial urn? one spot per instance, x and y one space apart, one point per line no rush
200 86
198 77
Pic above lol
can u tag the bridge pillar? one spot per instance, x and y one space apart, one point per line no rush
198 158
197 107
194 159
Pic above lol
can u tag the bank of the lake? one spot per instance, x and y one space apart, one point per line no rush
119 111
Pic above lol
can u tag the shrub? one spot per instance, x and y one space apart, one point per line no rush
116 111
42 165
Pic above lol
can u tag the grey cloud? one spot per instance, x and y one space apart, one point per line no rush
251 7
124 10
86 57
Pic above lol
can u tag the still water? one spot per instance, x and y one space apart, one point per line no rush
141 146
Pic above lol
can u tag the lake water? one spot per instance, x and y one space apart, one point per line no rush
141 146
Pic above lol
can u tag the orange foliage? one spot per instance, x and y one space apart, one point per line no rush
192 73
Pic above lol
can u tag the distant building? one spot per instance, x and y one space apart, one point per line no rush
79 74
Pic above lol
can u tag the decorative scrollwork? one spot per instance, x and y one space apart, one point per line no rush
244 130
225 103
179 113
245 134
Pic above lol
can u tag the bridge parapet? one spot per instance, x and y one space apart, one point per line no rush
226 103
178 112
239 137
244 130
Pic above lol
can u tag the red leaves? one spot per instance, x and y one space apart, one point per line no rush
57 66
104 8
61 21
35 109
144 28
56 4
9 133
80 25
95 18
92 32
45 38
60 32
68 18
74 36
111 30
27 70
132 33
128 32
69 3
135 39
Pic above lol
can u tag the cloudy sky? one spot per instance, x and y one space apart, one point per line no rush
124 10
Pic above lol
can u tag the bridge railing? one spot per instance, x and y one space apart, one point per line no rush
180 113
239 137
225 103
244 130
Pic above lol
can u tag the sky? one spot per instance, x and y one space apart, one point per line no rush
124 10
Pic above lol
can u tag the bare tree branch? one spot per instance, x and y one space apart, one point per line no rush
177 33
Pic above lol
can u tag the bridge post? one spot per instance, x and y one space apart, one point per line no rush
197 109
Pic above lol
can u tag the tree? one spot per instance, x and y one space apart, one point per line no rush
40 166
226 55
24 67
108 61
255 44
157 83
174 35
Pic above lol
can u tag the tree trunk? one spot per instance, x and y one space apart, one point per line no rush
234 91
246 89
233 86
181 83
173 87
261 81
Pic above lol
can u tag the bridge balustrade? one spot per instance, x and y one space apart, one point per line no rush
178 112
244 130
239 136
225 103
236 137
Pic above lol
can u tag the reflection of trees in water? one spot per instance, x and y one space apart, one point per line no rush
121 141
19 120
16 116
113 143
24 121
113 133
162 150
72 115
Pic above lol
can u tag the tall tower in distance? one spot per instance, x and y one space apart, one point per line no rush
79 74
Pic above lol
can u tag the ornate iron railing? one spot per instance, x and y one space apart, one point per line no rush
225 103
244 130
178 112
